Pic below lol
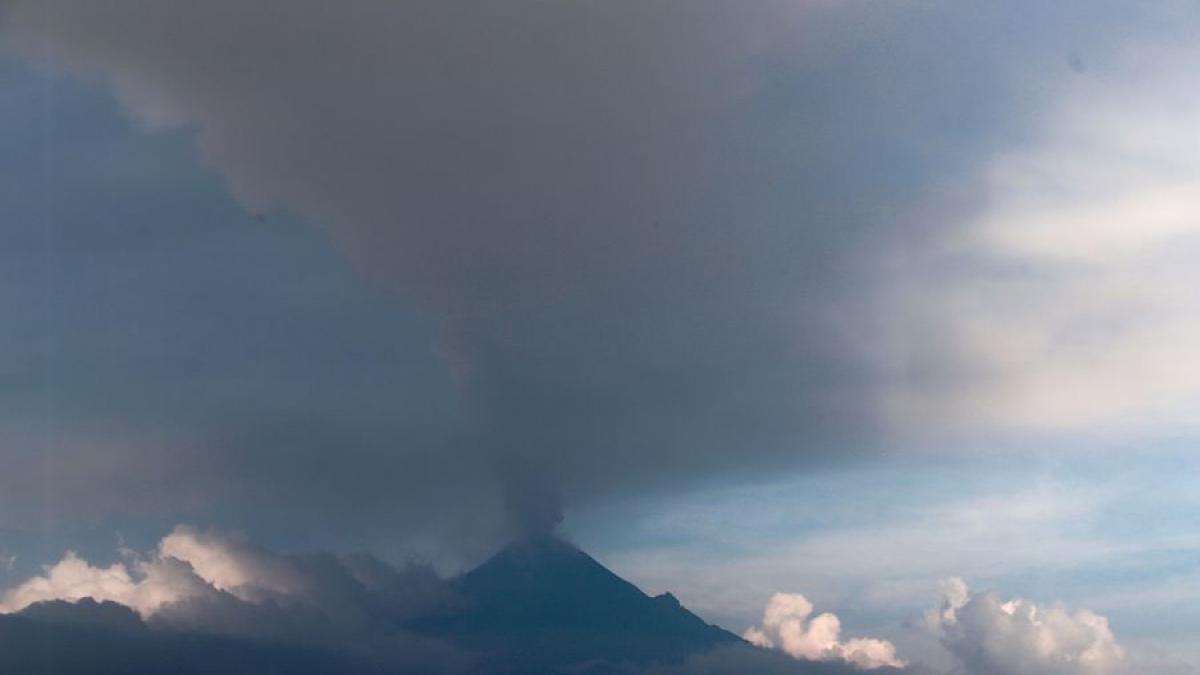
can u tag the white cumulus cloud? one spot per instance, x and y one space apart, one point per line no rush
144 586
991 636
189 564
786 625
232 564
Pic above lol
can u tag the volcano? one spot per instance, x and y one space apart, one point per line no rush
544 606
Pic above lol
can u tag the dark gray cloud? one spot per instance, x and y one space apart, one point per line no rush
656 238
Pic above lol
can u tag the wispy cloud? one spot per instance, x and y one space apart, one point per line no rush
1065 300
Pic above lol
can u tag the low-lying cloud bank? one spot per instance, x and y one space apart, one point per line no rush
987 636
207 601
194 567
223 587
199 586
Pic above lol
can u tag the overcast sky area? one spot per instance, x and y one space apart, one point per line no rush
886 304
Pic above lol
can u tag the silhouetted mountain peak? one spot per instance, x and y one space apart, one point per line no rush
534 571
536 552
544 602
668 599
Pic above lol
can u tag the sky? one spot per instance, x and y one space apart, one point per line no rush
847 300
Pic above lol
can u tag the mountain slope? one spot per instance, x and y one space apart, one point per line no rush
543 604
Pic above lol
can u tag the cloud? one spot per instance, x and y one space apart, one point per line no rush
232 564
73 578
884 554
1018 637
1063 301
658 239
227 591
668 241
788 624
217 582
217 589
225 604
562 187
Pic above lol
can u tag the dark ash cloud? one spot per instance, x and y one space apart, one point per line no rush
656 238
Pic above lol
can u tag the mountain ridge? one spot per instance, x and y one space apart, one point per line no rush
543 603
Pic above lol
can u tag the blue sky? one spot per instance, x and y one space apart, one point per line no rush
871 543
836 300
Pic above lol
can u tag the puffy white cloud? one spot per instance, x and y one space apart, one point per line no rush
146 587
232 564
1018 637
187 564
786 625
194 576
71 579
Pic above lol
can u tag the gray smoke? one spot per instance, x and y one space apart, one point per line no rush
656 237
